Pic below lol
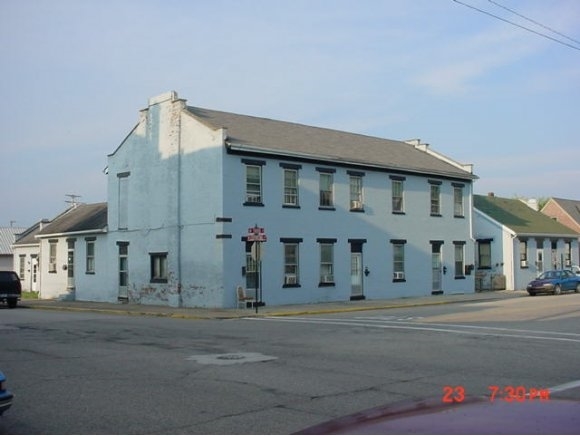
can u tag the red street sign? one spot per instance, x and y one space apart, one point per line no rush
256 234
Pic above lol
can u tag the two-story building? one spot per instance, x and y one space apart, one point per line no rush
346 216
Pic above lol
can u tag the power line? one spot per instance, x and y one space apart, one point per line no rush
534 21
518 25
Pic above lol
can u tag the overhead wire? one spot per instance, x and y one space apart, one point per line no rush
518 25
533 21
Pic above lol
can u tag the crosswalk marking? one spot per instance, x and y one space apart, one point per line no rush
437 328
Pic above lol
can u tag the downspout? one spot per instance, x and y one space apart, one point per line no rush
179 232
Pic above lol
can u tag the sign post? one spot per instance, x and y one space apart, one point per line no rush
257 236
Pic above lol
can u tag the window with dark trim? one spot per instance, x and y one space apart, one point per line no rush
291 262
158 267
459 249
90 255
356 190
458 209
399 260
523 254
484 253
52 255
397 190
435 196
326 261
253 183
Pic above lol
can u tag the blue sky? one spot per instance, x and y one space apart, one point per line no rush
477 89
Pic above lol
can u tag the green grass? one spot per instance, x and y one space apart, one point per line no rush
29 295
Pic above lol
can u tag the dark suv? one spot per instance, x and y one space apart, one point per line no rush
10 288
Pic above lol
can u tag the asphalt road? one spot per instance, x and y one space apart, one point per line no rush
83 373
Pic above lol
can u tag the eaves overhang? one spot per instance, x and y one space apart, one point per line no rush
239 148
66 234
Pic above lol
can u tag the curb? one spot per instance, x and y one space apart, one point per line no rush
281 313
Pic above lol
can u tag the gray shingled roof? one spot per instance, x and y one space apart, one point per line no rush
80 218
571 207
255 134
519 217
7 238
28 235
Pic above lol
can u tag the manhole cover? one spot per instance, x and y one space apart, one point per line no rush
230 358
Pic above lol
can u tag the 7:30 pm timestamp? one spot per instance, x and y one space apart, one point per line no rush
456 394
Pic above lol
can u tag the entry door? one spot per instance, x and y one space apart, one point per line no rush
356 275
70 266
123 272
436 272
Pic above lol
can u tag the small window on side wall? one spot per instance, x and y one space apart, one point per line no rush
158 267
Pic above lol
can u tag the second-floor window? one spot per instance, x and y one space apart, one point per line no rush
253 184
397 196
326 190
290 187
435 198
458 201
356 192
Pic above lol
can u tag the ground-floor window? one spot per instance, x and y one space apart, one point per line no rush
158 267
459 248
326 261
291 262
398 259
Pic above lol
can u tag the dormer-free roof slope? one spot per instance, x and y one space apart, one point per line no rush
82 218
519 217
262 135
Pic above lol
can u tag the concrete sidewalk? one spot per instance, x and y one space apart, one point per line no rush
286 310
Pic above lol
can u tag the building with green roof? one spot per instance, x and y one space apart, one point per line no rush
516 242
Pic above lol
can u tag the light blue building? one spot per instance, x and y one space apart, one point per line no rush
346 216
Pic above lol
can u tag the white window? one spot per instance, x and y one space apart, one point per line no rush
435 199
458 201
356 192
90 247
459 259
52 256
397 196
326 263
326 188
291 270
398 259
290 187
253 184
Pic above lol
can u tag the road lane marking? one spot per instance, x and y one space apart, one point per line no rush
478 327
401 326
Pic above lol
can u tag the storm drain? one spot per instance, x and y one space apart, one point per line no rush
230 358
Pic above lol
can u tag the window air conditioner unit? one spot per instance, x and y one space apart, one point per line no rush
290 280
354 204
52 266
327 279
399 275
524 263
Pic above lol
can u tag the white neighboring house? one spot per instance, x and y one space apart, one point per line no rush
518 243
26 256
346 216
72 254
